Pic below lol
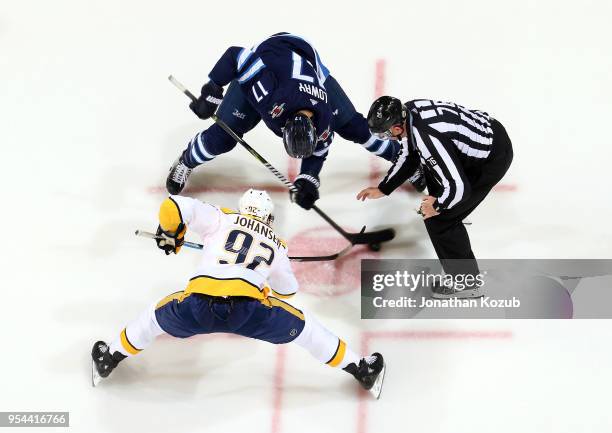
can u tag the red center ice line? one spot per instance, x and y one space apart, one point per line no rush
277 393
379 90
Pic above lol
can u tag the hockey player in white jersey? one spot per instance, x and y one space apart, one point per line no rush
237 288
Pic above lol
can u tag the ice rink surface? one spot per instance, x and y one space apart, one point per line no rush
90 126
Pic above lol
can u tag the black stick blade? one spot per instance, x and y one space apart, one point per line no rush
375 237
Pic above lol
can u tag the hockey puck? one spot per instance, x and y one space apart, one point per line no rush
374 247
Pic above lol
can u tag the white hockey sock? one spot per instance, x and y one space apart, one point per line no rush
138 334
323 345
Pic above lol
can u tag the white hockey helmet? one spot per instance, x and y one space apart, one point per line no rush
257 203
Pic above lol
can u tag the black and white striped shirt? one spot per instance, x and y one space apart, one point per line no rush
444 140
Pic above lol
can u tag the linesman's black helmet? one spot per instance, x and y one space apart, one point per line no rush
299 136
385 112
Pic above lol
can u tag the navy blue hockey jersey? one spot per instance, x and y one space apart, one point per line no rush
280 76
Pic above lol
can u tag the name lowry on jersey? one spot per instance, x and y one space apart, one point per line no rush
258 227
313 90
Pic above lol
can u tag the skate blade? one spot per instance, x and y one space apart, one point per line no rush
377 387
95 376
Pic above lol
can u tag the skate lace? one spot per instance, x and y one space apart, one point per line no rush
180 173
370 360
449 290
367 367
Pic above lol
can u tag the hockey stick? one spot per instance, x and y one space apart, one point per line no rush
373 239
150 235
196 246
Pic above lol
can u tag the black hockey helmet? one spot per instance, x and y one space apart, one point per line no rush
385 112
299 136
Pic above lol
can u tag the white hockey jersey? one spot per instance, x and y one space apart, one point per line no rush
242 256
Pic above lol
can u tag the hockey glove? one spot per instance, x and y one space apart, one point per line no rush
171 242
418 180
307 191
206 105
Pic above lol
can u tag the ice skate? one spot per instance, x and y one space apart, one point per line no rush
370 373
103 362
447 292
177 178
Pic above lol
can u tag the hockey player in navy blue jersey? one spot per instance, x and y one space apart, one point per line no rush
283 82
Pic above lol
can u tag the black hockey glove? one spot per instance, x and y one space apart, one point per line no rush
210 98
307 191
418 180
171 242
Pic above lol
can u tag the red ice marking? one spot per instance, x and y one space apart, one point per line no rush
367 336
436 335
292 168
277 395
380 79
505 187
332 277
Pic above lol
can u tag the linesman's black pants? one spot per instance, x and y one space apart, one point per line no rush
446 231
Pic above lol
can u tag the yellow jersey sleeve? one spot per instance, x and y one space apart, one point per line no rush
170 216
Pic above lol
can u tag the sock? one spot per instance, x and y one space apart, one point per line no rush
196 153
324 345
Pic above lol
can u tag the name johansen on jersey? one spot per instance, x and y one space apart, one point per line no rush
258 227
